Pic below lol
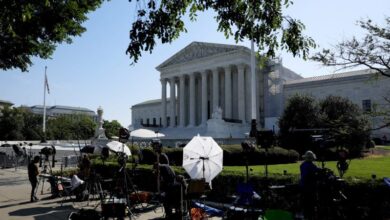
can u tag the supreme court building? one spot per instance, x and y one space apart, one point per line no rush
211 86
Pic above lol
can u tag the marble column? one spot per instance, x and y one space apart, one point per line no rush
182 102
204 97
173 102
228 92
241 92
248 104
164 102
192 100
215 75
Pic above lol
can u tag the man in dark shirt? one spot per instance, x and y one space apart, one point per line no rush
308 184
33 177
170 188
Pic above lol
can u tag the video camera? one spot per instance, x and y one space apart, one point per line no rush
247 147
157 146
322 140
47 151
124 135
265 138
18 151
122 158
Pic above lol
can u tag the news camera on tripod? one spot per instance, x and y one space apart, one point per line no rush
47 152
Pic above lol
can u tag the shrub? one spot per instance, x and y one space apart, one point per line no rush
367 199
232 156
336 118
370 144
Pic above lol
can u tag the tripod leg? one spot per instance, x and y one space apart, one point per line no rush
43 183
135 190
36 187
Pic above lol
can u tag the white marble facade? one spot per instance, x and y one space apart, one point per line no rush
207 78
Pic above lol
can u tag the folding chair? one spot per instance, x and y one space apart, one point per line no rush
73 187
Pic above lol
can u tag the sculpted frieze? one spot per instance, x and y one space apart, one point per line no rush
197 51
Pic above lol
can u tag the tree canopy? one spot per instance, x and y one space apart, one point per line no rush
372 51
34 28
340 121
71 127
347 125
262 21
111 128
21 124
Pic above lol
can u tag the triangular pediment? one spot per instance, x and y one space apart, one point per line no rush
198 50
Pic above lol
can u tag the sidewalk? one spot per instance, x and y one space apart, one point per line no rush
15 200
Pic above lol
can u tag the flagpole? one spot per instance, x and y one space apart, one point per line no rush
44 107
253 131
253 81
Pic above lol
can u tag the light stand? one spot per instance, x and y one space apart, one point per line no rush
30 154
124 135
265 139
247 148
203 168
157 147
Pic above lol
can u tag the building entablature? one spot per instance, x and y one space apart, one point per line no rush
334 79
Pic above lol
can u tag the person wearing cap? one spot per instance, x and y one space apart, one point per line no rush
308 183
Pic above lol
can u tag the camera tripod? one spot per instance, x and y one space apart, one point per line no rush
124 182
46 173
94 188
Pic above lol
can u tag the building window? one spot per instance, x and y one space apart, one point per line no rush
168 121
154 121
147 122
366 105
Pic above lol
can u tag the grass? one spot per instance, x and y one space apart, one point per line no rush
383 147
358 168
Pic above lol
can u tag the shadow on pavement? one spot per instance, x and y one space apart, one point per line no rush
41 211
15 181
14 204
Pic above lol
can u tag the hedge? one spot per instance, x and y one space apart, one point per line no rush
232 156
367 199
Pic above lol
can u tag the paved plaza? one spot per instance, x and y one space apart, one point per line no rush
15 200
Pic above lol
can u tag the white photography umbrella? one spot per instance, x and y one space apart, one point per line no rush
118 147
202 158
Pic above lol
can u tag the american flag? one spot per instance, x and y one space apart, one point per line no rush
47 84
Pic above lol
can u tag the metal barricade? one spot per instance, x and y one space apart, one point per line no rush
70 161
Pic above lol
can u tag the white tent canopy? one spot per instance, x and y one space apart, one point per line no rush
145 133
202 158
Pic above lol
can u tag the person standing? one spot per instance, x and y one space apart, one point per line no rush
85 167
168 186
308 184
33 177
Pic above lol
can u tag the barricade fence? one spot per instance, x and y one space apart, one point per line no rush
182 142
12 161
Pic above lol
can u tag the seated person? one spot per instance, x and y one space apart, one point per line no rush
85 167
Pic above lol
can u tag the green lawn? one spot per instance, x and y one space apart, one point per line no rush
383 147
360 168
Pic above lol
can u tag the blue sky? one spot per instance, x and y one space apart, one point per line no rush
95 71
